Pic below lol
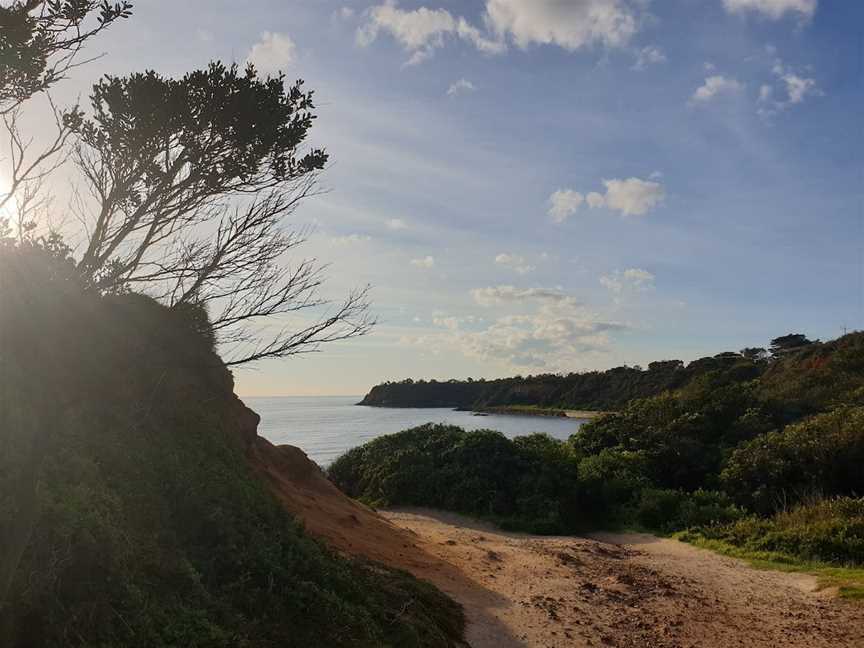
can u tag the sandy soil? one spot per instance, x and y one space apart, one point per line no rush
630 591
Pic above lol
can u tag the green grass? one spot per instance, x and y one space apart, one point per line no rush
849 581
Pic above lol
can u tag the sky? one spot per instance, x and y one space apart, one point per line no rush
535 186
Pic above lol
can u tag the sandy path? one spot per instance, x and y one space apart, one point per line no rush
630 591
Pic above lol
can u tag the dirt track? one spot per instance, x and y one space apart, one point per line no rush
630 591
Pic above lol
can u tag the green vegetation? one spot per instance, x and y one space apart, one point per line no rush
825 537
129 515
752 451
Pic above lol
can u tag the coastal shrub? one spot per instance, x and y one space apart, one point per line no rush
822 455
530 483
828 530
670 510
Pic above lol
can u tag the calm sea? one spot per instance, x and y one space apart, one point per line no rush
326 426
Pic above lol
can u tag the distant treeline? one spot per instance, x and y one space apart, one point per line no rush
594 390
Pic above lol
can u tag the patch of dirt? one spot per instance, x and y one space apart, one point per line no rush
624 590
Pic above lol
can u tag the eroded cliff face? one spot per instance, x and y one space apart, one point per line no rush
326 513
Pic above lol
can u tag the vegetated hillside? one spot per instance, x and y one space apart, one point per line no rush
595 390
743 439
129 512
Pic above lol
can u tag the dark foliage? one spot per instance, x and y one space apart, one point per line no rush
594 390
529 483
127 502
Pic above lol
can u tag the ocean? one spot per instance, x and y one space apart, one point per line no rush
326 426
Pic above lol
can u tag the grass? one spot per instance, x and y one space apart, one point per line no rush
849 581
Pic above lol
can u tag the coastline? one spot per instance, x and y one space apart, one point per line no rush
533 410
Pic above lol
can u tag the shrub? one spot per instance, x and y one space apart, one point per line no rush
529 483
670 510
830 530
821 455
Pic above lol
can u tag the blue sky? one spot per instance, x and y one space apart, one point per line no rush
554 185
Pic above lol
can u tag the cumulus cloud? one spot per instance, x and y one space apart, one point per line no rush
273 53
716 86
630 196
650 55
564 203
515 262
571 25
632 279
774 9
462 86
424 262
420 31
633 197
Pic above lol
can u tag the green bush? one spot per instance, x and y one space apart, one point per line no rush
529 483
669 511
822 455
830 530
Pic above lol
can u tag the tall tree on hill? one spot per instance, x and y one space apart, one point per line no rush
191 181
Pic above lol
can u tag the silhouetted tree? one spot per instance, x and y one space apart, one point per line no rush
192 179
789 342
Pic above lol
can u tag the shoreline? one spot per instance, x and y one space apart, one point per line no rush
531 410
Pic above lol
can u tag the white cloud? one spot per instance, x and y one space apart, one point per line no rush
715 86
420 31
425 262
345 13
273 53
462 86
351 239
517 263
632 279
650 55
564 203
774 9
638 276
795 87
552 334
633 197
595 200
503 294
397 224
573 25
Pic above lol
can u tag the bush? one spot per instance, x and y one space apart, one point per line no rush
830 531
669 510
529 483
822 455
